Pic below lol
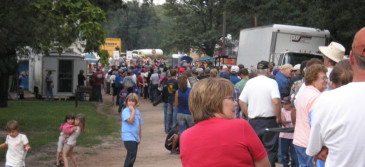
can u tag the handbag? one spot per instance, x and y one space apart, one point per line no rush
160 87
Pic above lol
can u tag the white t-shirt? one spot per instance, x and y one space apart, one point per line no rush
338 123
329 71
72 139
107 77
258 94
112 79
134 78
16 150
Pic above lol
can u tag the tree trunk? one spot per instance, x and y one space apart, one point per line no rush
8 66
4 84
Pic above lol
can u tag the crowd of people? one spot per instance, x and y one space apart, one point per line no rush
219 116
266 97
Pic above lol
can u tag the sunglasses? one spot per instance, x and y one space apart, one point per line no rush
230 98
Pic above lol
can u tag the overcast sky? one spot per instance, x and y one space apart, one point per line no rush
156 2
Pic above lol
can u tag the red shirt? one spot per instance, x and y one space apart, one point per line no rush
220 142
140 81
98 78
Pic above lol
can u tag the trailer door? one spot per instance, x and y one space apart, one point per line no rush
65 75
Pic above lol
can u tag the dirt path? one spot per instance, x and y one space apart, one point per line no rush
111 153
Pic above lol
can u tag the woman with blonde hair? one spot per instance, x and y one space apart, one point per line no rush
213 73
217 138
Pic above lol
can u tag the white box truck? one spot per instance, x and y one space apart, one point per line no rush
65 69
280 44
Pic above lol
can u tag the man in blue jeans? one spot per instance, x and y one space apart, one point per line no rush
154 79
172 86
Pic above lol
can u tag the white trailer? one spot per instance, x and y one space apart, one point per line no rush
147 52
280 44
65 69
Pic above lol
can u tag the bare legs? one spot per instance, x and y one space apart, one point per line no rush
69 153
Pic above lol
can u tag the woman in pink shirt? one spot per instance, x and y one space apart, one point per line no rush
315 79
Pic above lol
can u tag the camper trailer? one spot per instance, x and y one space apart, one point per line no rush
65 69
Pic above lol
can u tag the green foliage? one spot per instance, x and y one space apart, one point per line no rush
104 57
108 5
136 25
198 24
44 24
40 121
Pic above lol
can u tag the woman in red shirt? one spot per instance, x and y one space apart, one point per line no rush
217 138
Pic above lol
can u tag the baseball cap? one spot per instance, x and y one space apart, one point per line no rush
263 65
358 46
182 70
297 67
225 74
235 69
289 66
286 100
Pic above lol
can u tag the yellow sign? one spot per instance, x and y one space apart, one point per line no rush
111 45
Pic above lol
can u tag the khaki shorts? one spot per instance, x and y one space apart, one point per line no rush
67 147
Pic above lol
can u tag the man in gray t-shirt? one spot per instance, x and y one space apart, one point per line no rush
154 84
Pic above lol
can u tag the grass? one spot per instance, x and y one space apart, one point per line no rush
40 121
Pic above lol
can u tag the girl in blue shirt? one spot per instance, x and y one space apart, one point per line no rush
131 128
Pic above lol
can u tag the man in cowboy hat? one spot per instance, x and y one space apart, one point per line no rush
332 54
338 114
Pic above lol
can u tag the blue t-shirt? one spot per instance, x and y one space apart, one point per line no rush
130 132
234 79
282 81
136 71
118 80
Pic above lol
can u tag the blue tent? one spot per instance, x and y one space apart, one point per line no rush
188 59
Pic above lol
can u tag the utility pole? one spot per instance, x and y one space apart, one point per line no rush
224 35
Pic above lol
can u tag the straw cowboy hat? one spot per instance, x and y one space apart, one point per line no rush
333 51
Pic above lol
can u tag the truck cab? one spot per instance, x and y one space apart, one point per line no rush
294 58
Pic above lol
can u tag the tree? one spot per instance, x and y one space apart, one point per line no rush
198 24
136 25
45 25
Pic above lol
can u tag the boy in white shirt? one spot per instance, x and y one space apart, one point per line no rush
16 143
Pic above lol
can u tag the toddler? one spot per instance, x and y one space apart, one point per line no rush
16 143
286 139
